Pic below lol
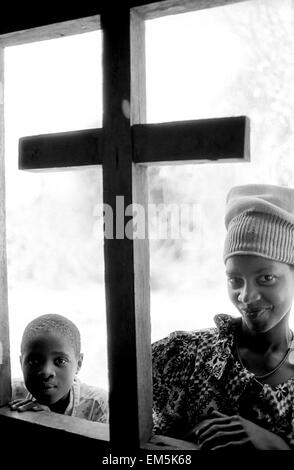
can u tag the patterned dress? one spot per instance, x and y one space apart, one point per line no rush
85 401
197 372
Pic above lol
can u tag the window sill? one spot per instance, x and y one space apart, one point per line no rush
37 426
60 422
163 443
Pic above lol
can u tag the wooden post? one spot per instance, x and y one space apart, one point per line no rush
141 246
5 374
127 302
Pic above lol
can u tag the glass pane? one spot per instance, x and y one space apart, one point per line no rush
249 71
221 61
55 246
54 86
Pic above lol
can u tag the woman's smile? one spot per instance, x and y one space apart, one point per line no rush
254 313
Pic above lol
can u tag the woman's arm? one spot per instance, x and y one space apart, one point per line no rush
221 432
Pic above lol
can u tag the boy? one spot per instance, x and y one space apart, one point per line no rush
50 360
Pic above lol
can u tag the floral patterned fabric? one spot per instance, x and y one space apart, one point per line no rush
197 372
85 401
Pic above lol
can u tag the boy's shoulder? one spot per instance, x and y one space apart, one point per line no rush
19 389
93 403
92 392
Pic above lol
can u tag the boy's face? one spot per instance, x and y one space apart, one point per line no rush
261 289
49 365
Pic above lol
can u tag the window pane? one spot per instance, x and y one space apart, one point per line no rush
54 233
221 61
54 86
249 70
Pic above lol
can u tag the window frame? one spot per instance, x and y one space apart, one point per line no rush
117 148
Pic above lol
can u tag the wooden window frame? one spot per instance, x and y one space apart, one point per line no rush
126 261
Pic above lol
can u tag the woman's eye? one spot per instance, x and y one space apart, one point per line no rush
234 282
267 279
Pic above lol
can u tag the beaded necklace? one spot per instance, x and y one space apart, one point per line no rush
264 376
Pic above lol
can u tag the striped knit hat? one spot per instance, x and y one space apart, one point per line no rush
260 221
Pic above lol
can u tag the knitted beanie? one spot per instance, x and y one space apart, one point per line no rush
260 221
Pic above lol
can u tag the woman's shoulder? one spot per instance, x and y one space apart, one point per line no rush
187 337
182 339
186 342
182 343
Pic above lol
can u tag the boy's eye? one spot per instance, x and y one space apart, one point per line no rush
61 361
33 361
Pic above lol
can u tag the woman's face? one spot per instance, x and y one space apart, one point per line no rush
261 289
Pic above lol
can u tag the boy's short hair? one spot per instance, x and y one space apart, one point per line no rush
53 322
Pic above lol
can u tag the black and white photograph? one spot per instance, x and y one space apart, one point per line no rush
146 231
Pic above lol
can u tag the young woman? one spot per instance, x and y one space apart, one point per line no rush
233 386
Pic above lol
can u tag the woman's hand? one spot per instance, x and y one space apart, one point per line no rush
221 432
26 404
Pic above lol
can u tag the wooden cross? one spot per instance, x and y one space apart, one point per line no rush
124 146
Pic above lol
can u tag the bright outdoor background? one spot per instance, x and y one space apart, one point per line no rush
55 256
224 61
